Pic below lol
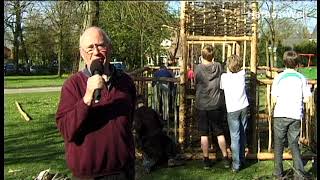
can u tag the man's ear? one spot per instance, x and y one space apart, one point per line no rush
82 54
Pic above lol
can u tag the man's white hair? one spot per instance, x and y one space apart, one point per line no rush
106 38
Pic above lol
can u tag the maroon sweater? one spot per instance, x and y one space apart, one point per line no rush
98 139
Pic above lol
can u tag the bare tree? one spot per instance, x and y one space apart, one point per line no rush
62 16
276 15
13 20
91 18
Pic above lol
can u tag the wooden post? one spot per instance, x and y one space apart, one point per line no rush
269 116
223 52
244 52
182 99
237 49
91 18
229 51
233 48
253 69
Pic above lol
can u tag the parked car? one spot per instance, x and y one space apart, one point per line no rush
119 65
9 68
33 69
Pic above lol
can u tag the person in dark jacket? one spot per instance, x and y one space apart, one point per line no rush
210 104
98 136
163 92
156 147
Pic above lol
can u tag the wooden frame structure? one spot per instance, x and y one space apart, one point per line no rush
240 41
232 24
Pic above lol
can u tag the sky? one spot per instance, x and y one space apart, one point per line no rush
310 22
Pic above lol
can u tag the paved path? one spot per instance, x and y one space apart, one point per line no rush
31 90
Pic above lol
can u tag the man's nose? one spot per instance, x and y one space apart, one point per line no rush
95 50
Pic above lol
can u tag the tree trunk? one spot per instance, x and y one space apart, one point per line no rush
182 64
173 58
253 69
141 47
60 48
24 49
91 19
17 33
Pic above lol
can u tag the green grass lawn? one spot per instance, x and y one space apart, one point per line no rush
308 72
31 147
33 81
193 170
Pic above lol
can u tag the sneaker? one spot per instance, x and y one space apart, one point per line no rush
207 163
226 163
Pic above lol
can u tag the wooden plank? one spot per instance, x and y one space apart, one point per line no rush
269 81
253 69
219 38
182 95
210 42
259 156
24 115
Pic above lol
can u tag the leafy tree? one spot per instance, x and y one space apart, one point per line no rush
307 47
63 17
91 11
135 28
13 20
39 41
273 19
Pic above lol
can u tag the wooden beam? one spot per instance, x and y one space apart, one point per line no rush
182 99
238 47
210 42
229 52
244 53
269 81
223 52
259 156
233 48
161 79
23 114
219 38
253 69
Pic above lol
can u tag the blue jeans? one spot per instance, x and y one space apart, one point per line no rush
237 122
283 128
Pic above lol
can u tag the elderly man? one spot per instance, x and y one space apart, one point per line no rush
97 134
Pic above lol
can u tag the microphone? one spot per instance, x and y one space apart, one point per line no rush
96 67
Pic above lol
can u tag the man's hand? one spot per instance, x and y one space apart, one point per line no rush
94 82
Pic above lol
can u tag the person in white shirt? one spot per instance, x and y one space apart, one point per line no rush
289 90
233 84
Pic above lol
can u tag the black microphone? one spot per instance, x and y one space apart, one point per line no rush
96 67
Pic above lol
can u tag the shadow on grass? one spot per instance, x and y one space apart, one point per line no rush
193 169
39 142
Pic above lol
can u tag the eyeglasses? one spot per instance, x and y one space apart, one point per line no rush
100 48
